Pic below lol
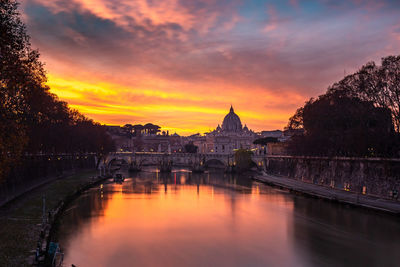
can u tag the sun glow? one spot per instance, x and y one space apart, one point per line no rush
174 109
180 64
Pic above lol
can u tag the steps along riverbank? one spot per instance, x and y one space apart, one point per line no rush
341 196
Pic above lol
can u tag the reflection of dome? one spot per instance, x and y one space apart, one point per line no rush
232 122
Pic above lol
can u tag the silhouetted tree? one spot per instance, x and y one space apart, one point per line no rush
191 148
137 129
32 120
243 160
378 84
21 76
150 128
264 141
296 121
338 125
128 129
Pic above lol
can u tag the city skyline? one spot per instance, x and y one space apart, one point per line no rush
199 133
181 64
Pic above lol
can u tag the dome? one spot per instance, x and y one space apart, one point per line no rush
231 122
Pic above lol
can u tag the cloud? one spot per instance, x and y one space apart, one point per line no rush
173 61
272 19
189 16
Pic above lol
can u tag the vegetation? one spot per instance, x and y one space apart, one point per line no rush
358 116
191 148
138 129
264 141
243 160
33 120
377 84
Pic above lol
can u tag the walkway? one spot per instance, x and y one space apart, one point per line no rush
332 194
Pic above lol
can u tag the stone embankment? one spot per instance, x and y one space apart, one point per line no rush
36 170
21 220
47 233
338 195
367 182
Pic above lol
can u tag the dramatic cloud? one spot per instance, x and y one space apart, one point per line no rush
181 64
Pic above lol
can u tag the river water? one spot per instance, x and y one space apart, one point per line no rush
217 219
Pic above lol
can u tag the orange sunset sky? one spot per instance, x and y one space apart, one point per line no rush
181 64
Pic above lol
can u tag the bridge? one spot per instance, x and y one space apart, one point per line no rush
193 161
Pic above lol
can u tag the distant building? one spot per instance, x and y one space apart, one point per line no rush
225 139
277 148
228 137
120 136
276 134
147 138
293 132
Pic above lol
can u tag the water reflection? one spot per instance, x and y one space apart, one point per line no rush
330 235
215 219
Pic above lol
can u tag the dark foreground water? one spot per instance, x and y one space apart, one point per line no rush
185 219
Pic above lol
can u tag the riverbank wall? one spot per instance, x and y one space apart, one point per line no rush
37 170
379 177
49 229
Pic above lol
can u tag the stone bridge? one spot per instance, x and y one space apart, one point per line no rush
177 159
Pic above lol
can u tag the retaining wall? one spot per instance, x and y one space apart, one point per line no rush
36 170
374 176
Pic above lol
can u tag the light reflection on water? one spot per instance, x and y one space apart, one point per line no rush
215 219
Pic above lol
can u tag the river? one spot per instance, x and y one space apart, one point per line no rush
217 219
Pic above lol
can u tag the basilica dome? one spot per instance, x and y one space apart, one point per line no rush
231 122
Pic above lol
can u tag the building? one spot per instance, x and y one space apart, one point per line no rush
228 137
278 134
147 138
122 139
225 139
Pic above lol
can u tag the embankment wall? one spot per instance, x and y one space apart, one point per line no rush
374 176
38 169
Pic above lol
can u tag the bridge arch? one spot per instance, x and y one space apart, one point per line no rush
117 162
148 161
215 163
143 159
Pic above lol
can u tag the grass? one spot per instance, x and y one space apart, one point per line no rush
20 220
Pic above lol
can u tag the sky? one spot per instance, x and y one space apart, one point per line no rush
182 63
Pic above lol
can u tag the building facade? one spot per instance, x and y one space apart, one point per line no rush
224 139
228 137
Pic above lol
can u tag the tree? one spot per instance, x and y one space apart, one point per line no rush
21 77
151 128
102 142
129 130
264 141
243 160
296 121
191 148
378 84
338 125
32 120
137 129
